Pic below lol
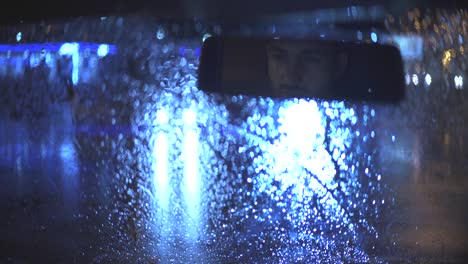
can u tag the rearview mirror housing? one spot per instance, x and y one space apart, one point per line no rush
298 68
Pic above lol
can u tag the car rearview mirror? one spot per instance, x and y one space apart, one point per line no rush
297 68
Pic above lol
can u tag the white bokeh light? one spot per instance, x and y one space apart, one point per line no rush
415 79
161 117
458 82
428 79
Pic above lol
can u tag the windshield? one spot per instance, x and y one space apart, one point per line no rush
110 154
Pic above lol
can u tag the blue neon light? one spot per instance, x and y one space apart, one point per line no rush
53 47
65 49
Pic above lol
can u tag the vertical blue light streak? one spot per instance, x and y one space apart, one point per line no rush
160 163
192 178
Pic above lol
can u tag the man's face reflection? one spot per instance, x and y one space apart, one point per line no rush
300 68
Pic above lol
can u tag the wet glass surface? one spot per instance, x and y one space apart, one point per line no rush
110 154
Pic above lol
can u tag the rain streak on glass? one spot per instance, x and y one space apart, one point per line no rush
117 137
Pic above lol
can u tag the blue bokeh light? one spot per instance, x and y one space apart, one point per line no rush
374 37
103 50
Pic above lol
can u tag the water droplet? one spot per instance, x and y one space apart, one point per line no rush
183 62
161 33
206 36
359 35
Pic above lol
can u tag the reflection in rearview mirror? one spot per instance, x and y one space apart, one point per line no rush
287 68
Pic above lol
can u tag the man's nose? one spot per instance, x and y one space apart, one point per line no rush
294 72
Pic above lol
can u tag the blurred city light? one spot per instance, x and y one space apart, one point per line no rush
407 79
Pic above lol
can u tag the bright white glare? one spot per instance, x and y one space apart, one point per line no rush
415 79
161 117
189 117
458 82
300 147
19 36
298 161
73 50
293 124
161 177
103 50
374 37
428 79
